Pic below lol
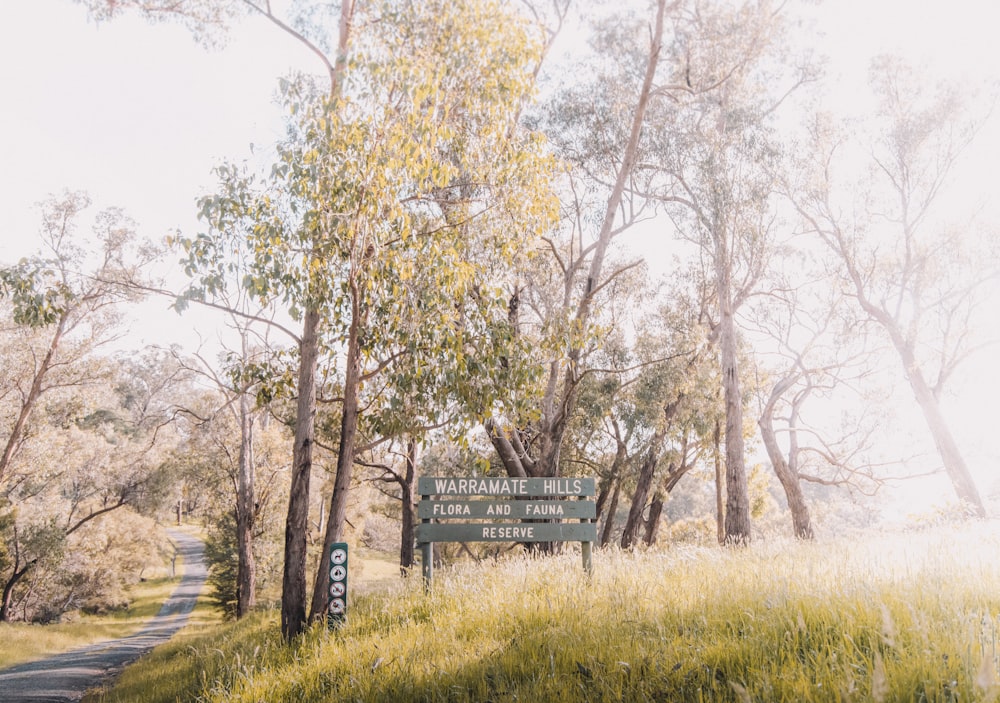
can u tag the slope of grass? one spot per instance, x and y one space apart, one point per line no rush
885 618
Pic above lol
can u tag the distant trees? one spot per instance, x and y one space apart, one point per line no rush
910 271
75 448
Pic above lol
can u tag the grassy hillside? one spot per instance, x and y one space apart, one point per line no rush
886 618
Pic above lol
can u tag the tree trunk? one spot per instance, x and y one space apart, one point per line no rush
801 523
28 404
345 456
653 521
720 509
674 475
8 589
609 520
641 494
737 521
246 569
408 486
646 474
951 456
293 583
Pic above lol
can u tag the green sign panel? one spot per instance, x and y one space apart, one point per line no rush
507 532
506 509
510 487
337 607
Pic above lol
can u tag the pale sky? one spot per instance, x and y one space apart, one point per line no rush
139 114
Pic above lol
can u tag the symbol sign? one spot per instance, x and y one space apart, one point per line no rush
337 609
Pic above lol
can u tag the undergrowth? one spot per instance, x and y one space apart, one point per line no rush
911 617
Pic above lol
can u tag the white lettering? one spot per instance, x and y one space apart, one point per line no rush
544 509
447 509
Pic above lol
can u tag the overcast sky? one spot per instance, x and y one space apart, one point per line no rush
138 114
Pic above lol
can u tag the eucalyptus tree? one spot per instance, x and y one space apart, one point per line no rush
410 146
209 19
911 272
711 159
94 453
386 209
54 300
559 299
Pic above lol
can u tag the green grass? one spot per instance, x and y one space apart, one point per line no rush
911 617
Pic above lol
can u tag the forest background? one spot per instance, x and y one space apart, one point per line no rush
138 115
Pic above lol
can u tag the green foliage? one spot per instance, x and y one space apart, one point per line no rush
223 560
397 207
883 618
36 298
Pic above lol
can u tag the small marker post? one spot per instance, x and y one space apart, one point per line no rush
337 608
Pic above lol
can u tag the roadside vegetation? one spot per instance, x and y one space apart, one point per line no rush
23 642
907 616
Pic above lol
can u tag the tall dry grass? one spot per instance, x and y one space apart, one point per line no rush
903 617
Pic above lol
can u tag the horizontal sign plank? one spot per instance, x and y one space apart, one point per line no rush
513 509
529 487
508 532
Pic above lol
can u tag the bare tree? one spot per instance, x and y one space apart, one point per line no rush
913 277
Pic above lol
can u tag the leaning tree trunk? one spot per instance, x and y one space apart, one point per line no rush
653 520
951 456
345 456
787 476
641 494
609 519
673 477
646 474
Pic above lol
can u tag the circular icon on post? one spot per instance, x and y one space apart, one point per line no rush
338 573
337 589
338 556
337 606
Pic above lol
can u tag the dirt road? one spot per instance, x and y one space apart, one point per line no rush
65 677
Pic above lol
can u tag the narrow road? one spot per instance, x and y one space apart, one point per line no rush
65 677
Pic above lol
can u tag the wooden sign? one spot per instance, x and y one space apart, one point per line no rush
535 508
508 532
507 509
509 487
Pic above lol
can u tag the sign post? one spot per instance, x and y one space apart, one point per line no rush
505 510
337 609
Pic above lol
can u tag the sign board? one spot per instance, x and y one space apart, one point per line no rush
507 509
337 609
509 487
534 507
508 532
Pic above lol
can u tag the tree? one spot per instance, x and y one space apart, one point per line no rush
914 278
533 448
309 292
404 186
94 455
713 161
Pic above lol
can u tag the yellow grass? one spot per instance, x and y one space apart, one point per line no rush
905 617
